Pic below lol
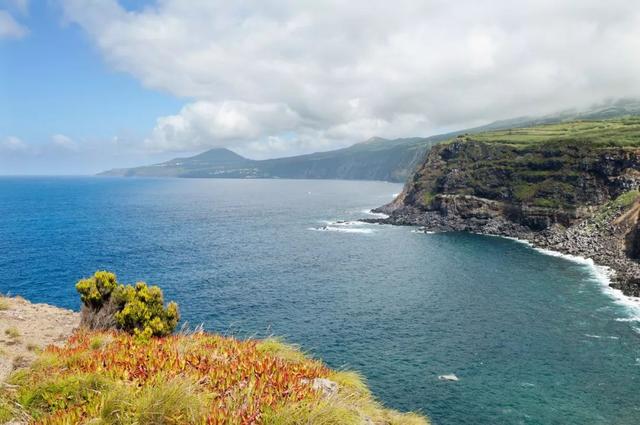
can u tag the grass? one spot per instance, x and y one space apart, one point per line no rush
427 198
112 378
12 332
613 208
626 199
353 405
4 304
613 132
6 411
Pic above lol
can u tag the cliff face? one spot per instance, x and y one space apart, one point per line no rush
572 189
534 186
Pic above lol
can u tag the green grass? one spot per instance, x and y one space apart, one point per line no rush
12 332
61 392
352 405
626 199
6 412
427 198
278 348
168 401
613 132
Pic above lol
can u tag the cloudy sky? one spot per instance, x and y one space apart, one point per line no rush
87 85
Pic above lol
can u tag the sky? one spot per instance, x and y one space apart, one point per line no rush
88 85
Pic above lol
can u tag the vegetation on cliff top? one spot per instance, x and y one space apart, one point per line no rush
129 376
114 378
606 133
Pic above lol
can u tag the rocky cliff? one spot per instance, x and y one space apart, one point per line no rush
571 188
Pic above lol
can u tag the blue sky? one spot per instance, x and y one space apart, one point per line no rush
54 81
87 85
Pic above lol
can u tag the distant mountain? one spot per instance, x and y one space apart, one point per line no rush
375 159
207 164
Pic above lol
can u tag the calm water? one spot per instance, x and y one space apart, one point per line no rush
532 338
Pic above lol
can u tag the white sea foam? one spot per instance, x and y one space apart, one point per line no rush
344 223
424 232
375 214
602 275
341 229
600 336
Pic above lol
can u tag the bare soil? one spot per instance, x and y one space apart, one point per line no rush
26 328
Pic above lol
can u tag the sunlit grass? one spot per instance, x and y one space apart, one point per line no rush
612 132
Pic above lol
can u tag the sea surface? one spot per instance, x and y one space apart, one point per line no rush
533 338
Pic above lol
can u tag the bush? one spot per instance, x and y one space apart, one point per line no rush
96 290
135 309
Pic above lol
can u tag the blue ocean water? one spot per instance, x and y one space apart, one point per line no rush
533 338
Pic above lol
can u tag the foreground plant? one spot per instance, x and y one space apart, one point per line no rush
137 309
115 378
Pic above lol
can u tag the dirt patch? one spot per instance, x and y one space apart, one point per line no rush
26 328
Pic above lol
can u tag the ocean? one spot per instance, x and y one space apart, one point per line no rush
533 338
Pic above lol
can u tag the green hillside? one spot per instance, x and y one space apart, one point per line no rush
614 132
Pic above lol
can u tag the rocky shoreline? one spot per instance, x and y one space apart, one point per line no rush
602 237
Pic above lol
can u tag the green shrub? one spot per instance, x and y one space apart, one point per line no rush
96 290
138 309
142 310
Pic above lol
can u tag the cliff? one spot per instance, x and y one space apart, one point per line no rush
570 187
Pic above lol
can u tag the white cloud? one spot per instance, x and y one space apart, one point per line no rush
278 73
10 28
64 142
207 124
13 144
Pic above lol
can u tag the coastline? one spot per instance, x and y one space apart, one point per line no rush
609 270
605 275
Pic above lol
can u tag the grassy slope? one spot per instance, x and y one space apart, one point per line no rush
110 378
604 133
